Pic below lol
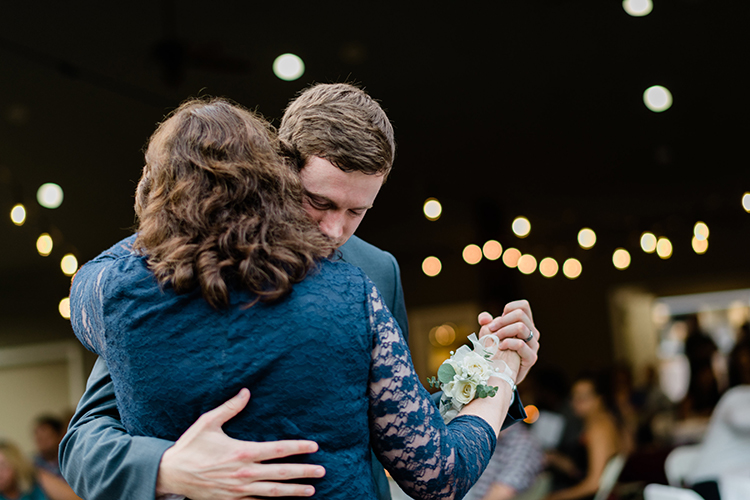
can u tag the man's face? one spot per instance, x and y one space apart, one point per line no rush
335 199
47 440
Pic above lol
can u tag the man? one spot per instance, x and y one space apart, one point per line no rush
342 143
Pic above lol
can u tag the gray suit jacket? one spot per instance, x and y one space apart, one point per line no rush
100 460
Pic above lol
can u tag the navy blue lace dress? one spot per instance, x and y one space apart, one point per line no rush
327 363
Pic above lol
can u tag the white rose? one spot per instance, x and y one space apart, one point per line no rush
448 388
464 391
476 368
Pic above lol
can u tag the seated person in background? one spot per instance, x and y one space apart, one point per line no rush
17 481
517 461
48 433
600 440
725 450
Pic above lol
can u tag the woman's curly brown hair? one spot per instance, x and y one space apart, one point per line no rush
216 205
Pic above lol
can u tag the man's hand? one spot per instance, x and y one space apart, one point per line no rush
513 328
206 464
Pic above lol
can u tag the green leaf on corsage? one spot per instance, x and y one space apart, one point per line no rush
446 373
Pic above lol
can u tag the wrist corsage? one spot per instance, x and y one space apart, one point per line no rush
465 375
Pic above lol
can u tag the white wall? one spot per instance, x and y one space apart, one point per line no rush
37 379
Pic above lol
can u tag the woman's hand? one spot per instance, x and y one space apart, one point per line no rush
513 327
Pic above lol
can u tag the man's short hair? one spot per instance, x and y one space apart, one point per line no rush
341 123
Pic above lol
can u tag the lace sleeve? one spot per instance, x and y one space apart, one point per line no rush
428 459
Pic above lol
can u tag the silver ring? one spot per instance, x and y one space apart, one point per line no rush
531 336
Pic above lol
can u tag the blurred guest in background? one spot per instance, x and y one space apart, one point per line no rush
517 461
600 440
703 390
724 453
17 480
48 432
739 359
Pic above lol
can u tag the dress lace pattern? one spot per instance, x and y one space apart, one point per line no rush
328 363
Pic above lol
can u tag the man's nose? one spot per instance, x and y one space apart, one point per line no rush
332 226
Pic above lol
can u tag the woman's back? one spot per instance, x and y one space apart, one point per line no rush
306 359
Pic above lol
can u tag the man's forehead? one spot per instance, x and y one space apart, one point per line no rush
347 189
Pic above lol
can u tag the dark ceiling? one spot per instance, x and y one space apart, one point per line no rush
530 108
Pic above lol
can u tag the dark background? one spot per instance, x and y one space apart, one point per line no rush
527 108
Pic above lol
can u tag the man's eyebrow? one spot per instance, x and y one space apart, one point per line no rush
324 199
320 198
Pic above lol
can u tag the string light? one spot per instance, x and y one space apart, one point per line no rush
69 264
432 266
49 195
521 227
288 67
548 267
432 209
699 246
492 250
472 254
511 256
44 244
64 308
657 98
18 214
746 202
700 230
664 248
527 264
648 242
621 259
638 8
572 268
586 238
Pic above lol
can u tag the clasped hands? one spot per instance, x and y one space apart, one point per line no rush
516 331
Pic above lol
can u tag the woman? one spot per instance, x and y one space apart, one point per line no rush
599 441
201 302
17 481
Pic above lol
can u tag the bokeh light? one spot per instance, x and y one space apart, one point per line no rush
432 266
445 334
621 259
699 246
492 250
527 264
432 209
586 238
638 8
657 98
288 67
511 256
648 242
532 414
548 267
69 264
472 254
572 268
49 195
521 227
64 308
701 231
44 244
18 214
664 248
746 202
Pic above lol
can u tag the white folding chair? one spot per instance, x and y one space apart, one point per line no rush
680 462
610 475
662 492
